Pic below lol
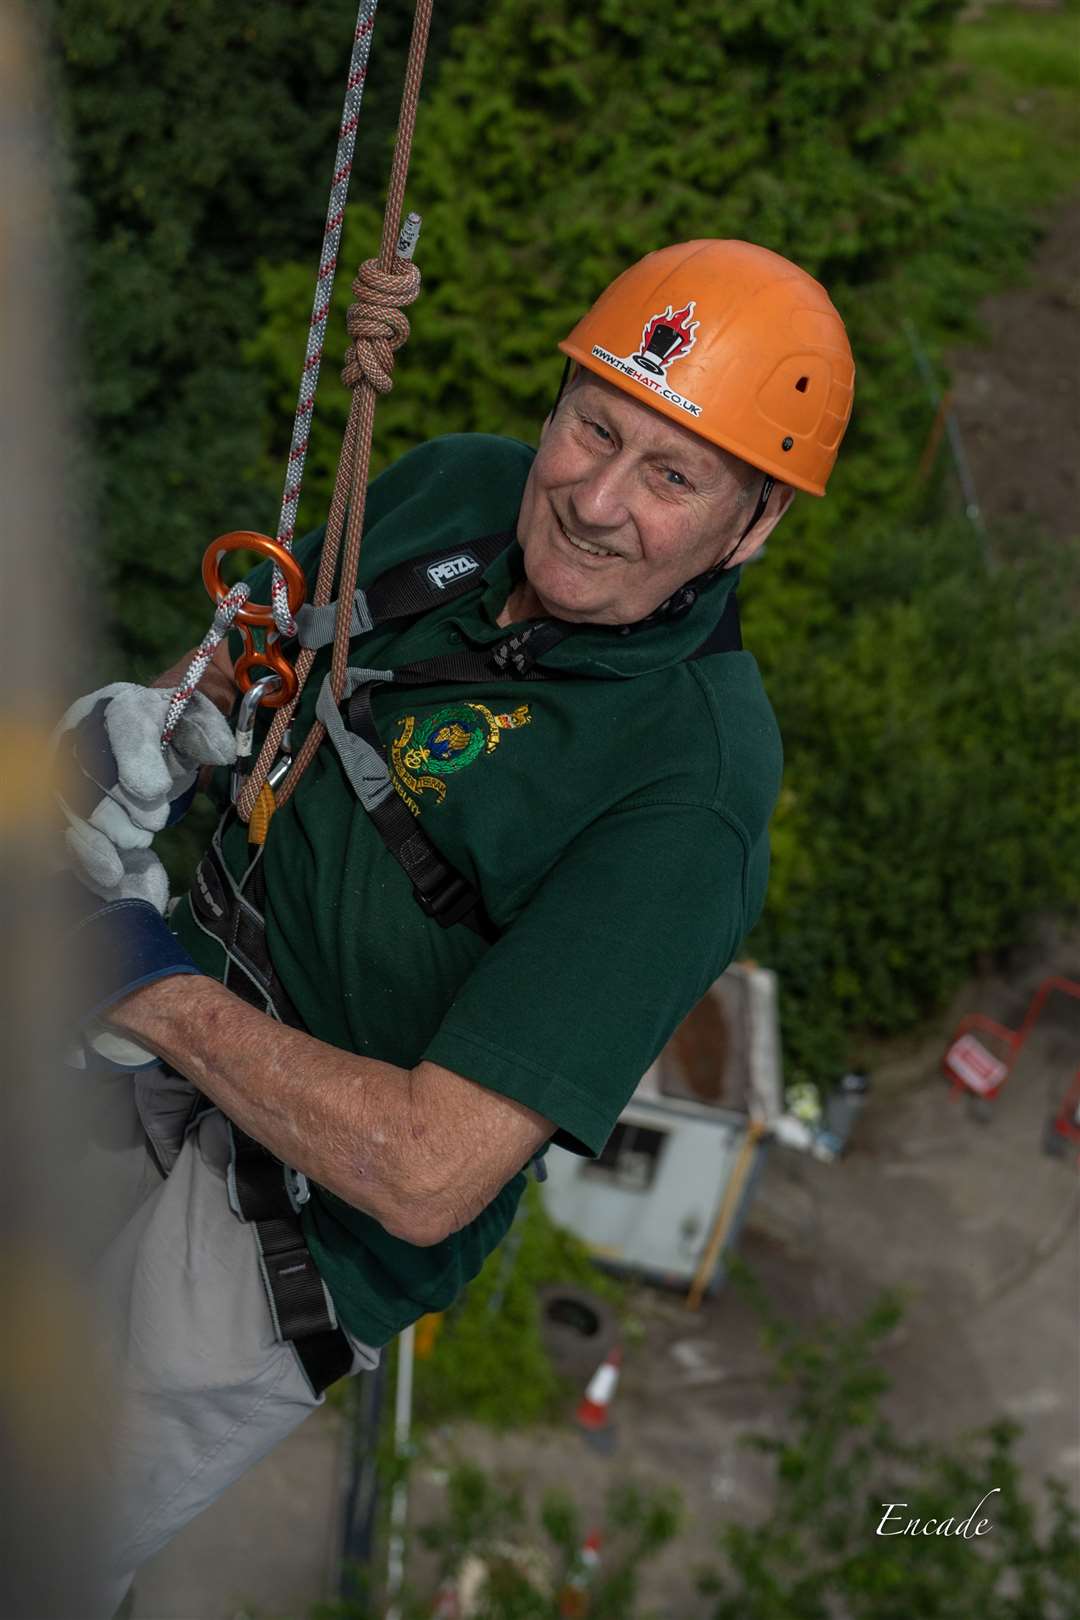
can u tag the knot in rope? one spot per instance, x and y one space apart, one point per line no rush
376 322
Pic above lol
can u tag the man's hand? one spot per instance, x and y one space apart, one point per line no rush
120 789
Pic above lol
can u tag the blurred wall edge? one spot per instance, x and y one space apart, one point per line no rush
53 1406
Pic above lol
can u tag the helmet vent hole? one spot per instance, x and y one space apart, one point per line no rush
802 385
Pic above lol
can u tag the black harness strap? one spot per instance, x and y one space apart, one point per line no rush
411 588
259 1192
262 1190
441 891
232 913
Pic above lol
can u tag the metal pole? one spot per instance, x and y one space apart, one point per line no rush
399 1505
361 1484
964 474
729 1204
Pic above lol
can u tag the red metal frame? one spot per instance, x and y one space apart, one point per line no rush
1014 1040
1066 1122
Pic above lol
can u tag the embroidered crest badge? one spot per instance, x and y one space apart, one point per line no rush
446 742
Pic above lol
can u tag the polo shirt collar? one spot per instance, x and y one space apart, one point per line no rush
601 649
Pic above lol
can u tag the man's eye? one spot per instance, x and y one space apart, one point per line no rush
601 431
675 478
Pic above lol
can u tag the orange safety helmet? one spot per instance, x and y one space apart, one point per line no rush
733 342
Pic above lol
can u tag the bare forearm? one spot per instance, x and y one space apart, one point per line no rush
347 1122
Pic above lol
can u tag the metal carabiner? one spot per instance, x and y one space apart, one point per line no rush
269 658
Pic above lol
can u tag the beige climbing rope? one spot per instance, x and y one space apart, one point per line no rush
377 327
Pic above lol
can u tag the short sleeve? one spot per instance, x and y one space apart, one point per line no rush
623 937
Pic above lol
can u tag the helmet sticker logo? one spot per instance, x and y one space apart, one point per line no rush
666 337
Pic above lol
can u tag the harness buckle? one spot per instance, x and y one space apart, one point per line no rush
447 904
297 1187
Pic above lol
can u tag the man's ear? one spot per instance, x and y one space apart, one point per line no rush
566 388
779 502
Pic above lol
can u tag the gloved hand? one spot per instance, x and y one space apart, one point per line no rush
121 789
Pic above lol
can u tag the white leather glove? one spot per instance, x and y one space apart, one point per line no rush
120 790
125 789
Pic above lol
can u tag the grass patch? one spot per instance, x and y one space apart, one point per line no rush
1011 128
1024 49
489 1363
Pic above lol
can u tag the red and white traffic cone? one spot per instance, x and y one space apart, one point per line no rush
593 1413
447 1606
574 1596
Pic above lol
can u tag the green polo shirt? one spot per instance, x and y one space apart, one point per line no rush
613 820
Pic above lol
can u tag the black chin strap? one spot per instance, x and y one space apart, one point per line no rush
682 600
563 380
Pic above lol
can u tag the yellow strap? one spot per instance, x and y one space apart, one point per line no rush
264 807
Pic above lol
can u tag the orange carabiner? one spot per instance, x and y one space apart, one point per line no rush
270 658
254 613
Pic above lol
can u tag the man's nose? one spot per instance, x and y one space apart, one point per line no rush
600 500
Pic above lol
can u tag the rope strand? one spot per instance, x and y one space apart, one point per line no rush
377 328
309 377
320 313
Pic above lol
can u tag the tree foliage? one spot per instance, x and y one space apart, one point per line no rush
932 788
199 140
558 145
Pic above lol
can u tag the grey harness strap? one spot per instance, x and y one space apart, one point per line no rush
365 767
315 626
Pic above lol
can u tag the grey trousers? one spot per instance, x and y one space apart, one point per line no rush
204 1389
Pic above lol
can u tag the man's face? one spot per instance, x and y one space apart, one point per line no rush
622 506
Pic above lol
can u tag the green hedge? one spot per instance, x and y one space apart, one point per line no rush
557 146
198 141
932 791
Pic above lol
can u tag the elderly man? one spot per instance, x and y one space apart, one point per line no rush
583 746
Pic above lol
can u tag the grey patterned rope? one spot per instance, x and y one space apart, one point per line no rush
228 608
324 281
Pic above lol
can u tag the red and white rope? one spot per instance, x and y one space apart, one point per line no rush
228 608
324 281
224 615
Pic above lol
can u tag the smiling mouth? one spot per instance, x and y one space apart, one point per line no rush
585 546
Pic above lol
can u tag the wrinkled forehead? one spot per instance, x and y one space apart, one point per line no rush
651 434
